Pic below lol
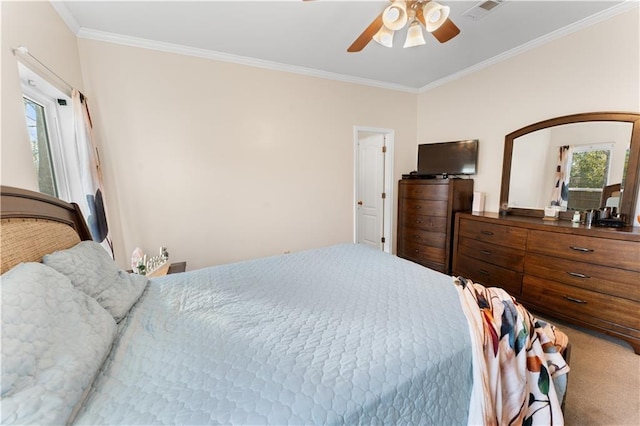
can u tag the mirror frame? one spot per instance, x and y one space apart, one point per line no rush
632 180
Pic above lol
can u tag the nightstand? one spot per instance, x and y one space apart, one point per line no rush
178 267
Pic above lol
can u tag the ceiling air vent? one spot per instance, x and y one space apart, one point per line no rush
482 9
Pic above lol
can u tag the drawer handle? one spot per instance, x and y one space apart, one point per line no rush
578 275
574 300
486 232
582 249
417 207
417 237
483 272
486 252
417 251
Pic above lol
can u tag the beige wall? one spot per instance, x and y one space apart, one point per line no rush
38 27
221 162
595 69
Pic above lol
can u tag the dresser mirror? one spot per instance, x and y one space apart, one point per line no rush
577 162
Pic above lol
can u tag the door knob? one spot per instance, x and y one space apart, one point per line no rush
359 203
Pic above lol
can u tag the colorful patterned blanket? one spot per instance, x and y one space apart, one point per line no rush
516 357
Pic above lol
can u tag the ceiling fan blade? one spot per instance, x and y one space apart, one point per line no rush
420 17
446 32
366 36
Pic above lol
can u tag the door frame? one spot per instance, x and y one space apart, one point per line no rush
388 182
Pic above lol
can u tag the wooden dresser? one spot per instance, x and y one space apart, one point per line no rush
426 212
586 276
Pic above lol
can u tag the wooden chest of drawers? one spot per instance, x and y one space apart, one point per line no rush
491 254
595 280
426 211
587 276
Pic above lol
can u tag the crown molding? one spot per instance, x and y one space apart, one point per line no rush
82 32
66 15
226 57
577 26
87 33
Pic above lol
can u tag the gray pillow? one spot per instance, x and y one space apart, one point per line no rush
91 270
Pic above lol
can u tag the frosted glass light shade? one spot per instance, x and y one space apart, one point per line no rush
384 36
414 35
394 16
435 15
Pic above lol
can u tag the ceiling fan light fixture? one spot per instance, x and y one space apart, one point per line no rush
435 15
394 16
384 36
414 35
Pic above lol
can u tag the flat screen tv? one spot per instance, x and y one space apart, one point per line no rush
448 158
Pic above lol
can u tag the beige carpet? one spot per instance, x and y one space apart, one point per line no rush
604 382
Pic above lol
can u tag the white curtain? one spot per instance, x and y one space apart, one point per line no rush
560 190
89 195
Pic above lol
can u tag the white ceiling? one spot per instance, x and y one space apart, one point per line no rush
312 36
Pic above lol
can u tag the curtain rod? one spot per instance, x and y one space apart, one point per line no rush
22 50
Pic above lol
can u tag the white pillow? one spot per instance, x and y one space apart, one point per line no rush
91 269
54 340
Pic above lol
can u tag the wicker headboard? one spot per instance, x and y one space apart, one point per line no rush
34 224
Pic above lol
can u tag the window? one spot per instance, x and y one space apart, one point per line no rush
48 119
589 174
64 156
39 138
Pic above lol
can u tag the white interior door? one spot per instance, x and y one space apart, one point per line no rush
370 190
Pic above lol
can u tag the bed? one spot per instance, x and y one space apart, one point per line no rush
336 335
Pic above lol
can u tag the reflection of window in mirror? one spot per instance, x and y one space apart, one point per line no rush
588 175
535 156
624 170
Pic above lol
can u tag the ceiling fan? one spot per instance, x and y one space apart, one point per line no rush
429 14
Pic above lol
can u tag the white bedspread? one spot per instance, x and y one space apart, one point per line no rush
344 334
